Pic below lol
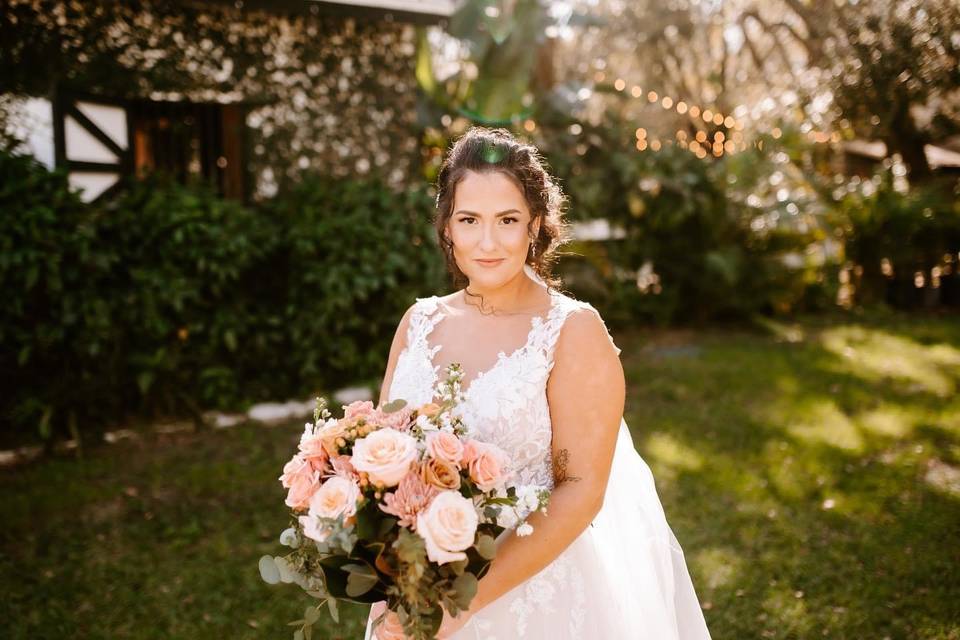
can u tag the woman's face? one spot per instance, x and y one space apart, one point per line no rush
488 228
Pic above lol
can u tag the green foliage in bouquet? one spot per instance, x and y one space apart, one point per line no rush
372 555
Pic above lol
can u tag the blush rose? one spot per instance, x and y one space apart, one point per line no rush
385 455
448 526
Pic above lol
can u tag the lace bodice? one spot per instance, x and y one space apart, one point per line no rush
505 404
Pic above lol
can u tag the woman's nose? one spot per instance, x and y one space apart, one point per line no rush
488 238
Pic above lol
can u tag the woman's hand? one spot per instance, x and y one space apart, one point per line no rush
390 627
450 624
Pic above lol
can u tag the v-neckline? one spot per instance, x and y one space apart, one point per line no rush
535 322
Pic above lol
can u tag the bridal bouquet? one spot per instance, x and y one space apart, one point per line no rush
400 504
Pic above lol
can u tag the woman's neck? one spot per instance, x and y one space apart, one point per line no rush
517 295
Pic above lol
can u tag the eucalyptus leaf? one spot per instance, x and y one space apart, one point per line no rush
268 570
361 570
394 405
486 547
358 584
334 609
466 587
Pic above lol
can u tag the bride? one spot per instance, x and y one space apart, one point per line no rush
542 379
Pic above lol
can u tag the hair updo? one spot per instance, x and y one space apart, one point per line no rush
483 150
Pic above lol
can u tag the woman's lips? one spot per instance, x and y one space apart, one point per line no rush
490 263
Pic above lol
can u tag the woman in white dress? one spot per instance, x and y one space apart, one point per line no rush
543 380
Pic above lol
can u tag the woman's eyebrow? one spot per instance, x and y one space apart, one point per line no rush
474 213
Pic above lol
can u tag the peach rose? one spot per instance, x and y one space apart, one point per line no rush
445 446
440 474
448 526
390 628
487 464
328 435
430 409
385 455
302 480
337 497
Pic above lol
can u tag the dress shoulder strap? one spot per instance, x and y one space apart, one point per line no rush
563 307
426 313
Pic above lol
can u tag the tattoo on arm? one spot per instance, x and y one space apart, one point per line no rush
560 462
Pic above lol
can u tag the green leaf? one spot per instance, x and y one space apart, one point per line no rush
144 380
394 405
466 587
358 585
486 547
334 610
311 615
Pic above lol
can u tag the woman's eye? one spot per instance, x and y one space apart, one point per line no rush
511 219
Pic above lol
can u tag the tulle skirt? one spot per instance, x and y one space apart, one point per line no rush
624 577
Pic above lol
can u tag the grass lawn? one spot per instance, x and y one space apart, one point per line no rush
811 471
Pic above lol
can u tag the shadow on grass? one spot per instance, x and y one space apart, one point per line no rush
797 477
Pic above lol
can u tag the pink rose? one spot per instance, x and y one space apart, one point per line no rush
312 450
302 481
337 497
448 526
390 628
343 467
359 409
445 446
399 420
385 456
487 464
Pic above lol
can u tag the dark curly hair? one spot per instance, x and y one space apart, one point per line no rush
483 150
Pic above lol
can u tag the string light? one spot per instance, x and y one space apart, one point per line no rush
723 142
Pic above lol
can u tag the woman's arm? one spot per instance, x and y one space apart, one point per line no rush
586 394
398 345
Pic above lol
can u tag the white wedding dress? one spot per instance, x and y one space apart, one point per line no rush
625 576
